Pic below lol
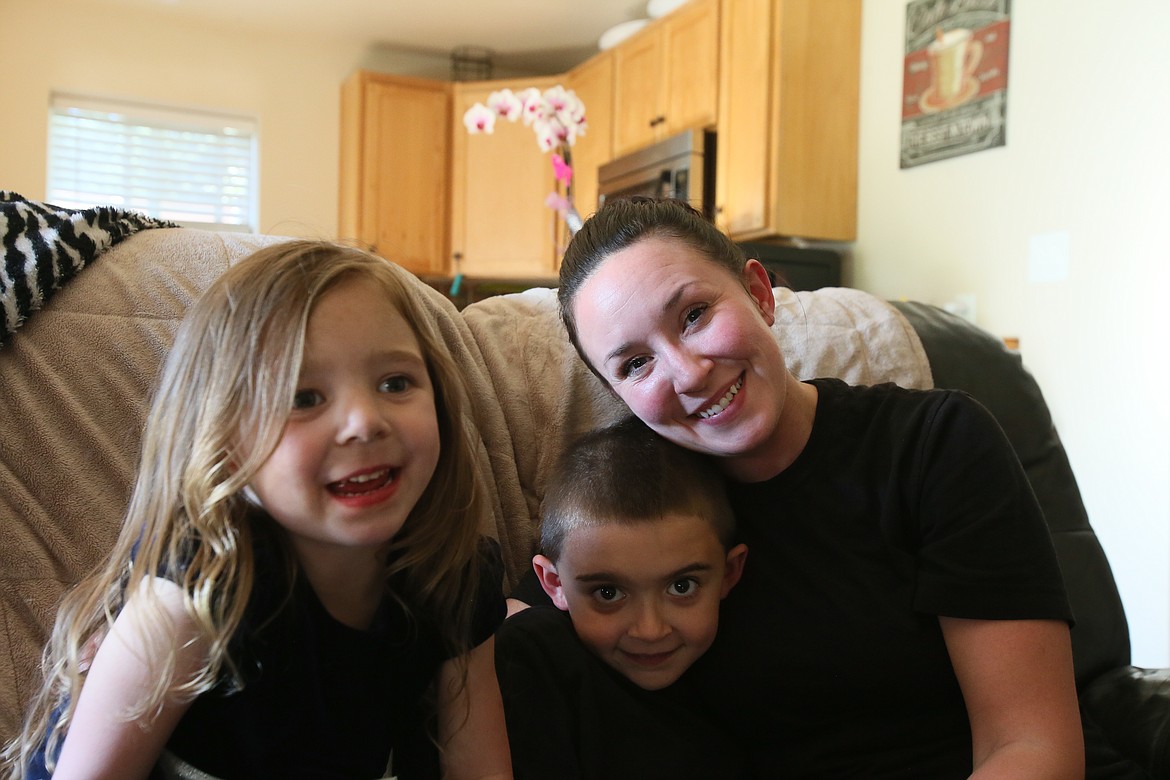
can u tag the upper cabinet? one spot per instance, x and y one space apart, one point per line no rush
666 77
593 83
395 141
786 162
777 79
500 224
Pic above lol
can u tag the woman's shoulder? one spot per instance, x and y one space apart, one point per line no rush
871 402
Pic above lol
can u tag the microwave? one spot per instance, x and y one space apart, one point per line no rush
682 166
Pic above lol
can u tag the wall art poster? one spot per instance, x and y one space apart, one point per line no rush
954 83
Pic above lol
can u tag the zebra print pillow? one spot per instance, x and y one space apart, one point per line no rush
45 246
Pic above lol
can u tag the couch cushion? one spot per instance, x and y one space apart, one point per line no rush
74 382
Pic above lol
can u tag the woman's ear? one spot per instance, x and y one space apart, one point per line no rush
550 581
759 287
736 557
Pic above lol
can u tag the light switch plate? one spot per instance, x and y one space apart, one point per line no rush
1048 257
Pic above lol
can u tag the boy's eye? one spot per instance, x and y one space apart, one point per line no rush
305 399
684 587
607 594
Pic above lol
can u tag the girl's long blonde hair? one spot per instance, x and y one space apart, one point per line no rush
219 410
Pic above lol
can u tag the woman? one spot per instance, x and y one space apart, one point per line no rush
903 614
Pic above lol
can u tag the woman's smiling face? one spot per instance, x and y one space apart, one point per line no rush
682 342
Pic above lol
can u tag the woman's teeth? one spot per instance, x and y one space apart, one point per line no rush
722 403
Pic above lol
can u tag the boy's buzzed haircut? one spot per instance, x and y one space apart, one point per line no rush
627 474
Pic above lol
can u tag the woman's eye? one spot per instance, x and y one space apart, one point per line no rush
633 366
395 384
684 587
305 399
607 594
694 314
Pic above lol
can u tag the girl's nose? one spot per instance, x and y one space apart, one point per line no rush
362 419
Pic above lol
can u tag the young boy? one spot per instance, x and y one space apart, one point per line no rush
637 554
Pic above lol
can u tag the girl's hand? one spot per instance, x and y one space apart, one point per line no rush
101 742
471 720
1017 680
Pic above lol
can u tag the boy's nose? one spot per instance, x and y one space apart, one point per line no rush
650 624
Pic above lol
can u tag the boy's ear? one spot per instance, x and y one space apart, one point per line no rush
736 557
550 581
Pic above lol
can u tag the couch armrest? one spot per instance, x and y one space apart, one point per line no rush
1131 708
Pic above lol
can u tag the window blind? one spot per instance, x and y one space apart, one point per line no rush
191 167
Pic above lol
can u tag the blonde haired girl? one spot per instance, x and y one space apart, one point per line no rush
300 586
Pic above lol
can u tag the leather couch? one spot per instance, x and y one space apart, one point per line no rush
1125 709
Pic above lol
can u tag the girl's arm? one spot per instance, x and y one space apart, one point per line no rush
1017 681
471 720
100 742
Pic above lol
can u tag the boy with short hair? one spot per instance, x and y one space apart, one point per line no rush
637 553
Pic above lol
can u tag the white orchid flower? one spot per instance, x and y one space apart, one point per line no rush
549 133
505 104
571 111
479 119
534 105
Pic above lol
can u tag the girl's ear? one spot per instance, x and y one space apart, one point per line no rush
759 286
550 581
736 557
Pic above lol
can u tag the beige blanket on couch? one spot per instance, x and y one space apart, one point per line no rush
75 382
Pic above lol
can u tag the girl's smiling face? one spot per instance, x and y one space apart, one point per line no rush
682 342
362 440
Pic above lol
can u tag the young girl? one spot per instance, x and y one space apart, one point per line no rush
300 587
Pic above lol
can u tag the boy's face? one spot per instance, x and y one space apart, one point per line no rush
644 597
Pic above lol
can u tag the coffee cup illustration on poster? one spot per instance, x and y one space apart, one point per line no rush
954 83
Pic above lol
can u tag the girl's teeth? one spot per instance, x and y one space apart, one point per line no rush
722 403
355 484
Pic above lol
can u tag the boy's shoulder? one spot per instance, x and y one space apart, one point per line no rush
538 626
541 641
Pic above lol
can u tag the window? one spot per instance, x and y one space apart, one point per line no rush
192 167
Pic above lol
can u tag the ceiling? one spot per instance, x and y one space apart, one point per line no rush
556 31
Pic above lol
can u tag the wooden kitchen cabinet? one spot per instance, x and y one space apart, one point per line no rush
666 77
593 83
786 162
395 168
500 225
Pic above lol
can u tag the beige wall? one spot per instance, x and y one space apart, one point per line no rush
290 85
1087 155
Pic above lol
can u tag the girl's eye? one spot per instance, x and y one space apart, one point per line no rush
395 384
305 399
607 594
684 587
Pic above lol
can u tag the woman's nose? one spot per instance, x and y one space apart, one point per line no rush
688 372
